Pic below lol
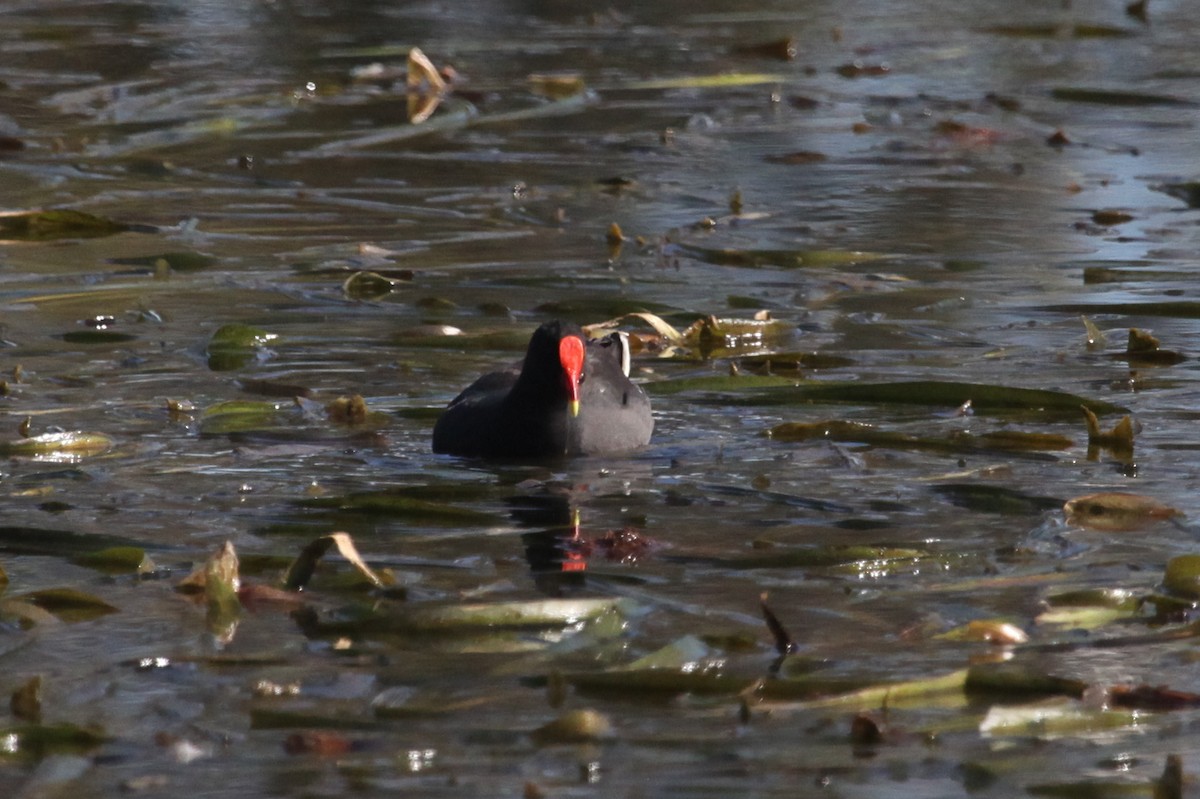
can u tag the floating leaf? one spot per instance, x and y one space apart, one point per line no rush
710 332
1081 31
301 570
1119 439
1182 576
57 446
367 286
780 49
858 69
55 224
557 86
623 683
1119 598
877 695
995 499
1093 275
221 583
798 157
1152 697
1014 678
40 741
1117 511
467 618
1110 217
398 504
1144 349
57 543
1057 718
573 727
116 560
348 410
785 644
322 743
240 416
778 363
991 631
727 80
853 557
264 717
857 432
1117 98
68 604
719 384
1188 191
97 337
422 75
788 259
26 703
183 261
234 345
514 614
1095 337
984 398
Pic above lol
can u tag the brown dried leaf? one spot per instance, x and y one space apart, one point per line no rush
1117 511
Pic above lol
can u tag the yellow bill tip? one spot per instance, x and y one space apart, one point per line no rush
574 405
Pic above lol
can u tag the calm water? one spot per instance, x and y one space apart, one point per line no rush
231 136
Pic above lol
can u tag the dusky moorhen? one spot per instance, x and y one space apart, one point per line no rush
571 396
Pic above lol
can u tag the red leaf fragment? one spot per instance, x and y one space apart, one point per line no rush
1151 697
317 742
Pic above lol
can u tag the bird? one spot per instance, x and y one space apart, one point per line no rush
570 396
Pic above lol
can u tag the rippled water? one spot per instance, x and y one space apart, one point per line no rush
904 212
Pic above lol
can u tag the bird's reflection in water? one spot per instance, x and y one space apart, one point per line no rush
556 552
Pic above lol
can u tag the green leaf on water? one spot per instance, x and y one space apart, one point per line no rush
234 345
50 446
661 681
399 504
725 80
855 557
118 560
97 337
995 499
464 618
718 384
57 543
787 259
301 570
264 717
984 398
1015 678
958 441
1182 576
1080 31
42 740
67 604
686 665
1117 98
1056 717
241 416
182 261
822 692
574 727
55 224
451 617
367 286
221 583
